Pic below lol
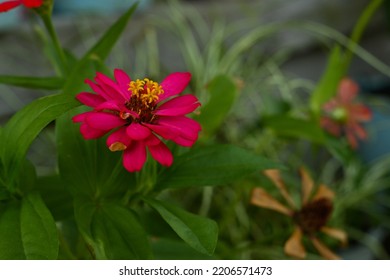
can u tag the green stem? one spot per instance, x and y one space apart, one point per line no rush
57 45
360 27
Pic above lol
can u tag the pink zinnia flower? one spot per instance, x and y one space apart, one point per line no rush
138 114
343 115
8 5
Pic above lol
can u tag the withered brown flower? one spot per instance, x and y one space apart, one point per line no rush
309 219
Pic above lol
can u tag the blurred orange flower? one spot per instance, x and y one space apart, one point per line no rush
343 115
309 219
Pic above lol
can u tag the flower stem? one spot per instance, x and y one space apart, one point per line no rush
61 59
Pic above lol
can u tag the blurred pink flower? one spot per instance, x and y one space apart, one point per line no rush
8 5
138 114
343 115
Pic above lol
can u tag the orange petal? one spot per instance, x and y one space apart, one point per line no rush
307 186
337 234
275 177
261 198
324 250
323 192
293 246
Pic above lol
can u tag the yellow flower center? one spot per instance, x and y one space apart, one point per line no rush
146 91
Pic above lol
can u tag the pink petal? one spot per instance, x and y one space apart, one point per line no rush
123 81
152 140
174 84
110 87
32 3
134 156
161 154
80 117
178 106
118 136
8 5
111 105
186 127
138 132
347 91
104 121
90 99
184 141
181 130
91 133
96 88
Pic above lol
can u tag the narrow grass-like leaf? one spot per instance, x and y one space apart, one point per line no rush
212 165
99 52
199 232
50 83
327 87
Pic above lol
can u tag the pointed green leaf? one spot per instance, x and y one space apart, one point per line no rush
27 230
168 249
285 125
199 232
51 83
11 247
212 165
56 196
38 229
222 94
25 125
85 67
112 231
120 234
327 87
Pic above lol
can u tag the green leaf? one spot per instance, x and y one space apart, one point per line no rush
296 128
38 229
50 83
87 166
212 165
99 52
167 249
56 196
112 231
11 246
327 87
27 230
222 94
120 234
199 232
25 125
